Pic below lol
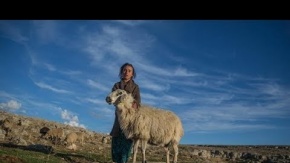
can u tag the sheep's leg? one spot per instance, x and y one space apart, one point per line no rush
144 145
175 148
58 141
135 148
167 154
53 139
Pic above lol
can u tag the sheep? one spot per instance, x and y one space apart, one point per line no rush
72 147
81 137
72 137
9 126
55 134
146 124
43 131
105 139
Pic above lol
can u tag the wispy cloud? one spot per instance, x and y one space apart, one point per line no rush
131 22
38 63
105 43
271 89
234 115
97 85
49 87
113 43
183 72
95 101
6 95
154 70
47 31
153 85
11 32
104 112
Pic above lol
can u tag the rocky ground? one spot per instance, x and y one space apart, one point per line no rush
21 131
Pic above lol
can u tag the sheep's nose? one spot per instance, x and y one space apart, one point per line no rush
108 99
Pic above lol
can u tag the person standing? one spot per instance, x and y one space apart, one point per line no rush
121 146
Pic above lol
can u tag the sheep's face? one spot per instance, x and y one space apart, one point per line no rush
116 96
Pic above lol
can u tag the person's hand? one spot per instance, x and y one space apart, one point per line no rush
134 105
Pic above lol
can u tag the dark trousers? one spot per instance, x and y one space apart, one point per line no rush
121 148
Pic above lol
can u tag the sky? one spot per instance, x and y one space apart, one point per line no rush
227 80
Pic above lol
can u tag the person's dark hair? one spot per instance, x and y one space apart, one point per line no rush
124 65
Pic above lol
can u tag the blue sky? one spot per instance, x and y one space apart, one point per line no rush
228 80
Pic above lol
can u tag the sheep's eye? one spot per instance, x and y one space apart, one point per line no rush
119 93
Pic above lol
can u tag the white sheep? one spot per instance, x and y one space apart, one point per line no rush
72 147
146 124
81 137
72 137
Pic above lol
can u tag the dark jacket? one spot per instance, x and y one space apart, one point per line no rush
130 87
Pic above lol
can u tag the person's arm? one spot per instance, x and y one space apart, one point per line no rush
137 97
116 127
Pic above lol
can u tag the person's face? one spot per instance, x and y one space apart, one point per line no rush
127 73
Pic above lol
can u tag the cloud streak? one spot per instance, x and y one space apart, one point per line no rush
51 88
